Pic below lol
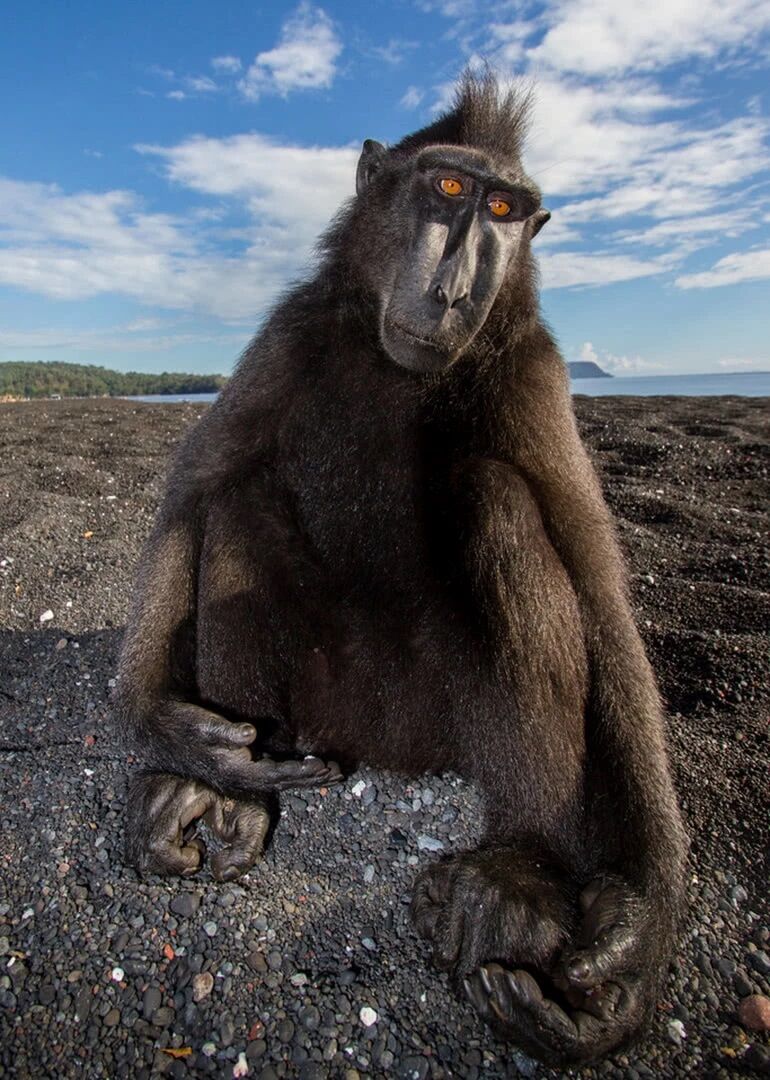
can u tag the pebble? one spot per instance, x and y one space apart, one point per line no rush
185 904
754 1012
151 1001
163 1016
367 1016
341 866
429 843
676 1032
210 928
760 961
241 1067
203 984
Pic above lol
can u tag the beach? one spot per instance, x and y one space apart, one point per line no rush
105 975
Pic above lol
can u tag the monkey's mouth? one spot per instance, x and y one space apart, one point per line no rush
414 351
429 343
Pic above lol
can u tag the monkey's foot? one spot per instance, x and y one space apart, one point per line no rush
516 1008
607 982
492 904
162 810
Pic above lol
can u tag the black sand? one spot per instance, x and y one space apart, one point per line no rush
98 969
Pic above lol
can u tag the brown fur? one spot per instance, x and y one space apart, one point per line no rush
420 572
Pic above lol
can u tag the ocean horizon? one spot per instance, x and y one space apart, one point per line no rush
715 384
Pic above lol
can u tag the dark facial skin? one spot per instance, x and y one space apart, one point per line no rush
386 543
469 224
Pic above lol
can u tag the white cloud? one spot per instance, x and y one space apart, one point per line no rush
731 270
740 364
229 64
303 185
394 52
731 223
304 59
564 269
412 97
73 246
618 365
176 95
604 37
201 84
122 338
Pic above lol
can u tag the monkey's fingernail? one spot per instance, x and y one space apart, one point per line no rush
485 980
475 995
579 970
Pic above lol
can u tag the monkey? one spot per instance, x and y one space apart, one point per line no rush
385 543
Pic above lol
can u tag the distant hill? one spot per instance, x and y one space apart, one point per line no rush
35 380
586 369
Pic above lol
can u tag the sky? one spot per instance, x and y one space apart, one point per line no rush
165 167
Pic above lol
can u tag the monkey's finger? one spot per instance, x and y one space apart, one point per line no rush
197 800
609 937
231 819
267 774
251 826
472 947
449 935
163 856
216 730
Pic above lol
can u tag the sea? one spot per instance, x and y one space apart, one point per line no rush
740 383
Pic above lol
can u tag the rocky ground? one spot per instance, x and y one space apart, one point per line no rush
309 967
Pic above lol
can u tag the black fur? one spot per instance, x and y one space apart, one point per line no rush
388 545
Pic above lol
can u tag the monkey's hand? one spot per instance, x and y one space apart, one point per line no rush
162 812
609 977
492 904
191 741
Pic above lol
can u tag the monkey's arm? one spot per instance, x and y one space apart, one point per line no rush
155 697
611 971
626 742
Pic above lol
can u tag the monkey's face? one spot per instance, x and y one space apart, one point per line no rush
461 227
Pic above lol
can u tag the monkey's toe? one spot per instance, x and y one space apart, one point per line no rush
515 1007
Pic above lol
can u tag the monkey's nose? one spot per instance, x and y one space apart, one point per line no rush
448 300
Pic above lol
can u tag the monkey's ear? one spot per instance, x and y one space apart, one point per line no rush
539 219
372 156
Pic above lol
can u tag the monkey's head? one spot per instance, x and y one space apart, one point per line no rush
447 217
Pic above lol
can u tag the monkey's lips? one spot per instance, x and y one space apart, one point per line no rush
414 351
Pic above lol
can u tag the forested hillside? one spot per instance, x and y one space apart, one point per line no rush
19 379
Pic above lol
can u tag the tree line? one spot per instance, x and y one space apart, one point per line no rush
44 379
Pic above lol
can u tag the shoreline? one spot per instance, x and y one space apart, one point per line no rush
320 929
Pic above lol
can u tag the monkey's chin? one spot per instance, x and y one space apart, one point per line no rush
414 353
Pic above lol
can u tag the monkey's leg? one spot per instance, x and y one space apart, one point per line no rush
551 777
163 810
236 659
514 900
613 969
158 699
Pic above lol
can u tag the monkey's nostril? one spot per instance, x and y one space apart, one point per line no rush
440 296
459 300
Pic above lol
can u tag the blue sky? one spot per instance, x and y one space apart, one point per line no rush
165 167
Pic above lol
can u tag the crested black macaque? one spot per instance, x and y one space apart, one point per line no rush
385 543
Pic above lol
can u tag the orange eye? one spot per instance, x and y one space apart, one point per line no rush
499 207
450 186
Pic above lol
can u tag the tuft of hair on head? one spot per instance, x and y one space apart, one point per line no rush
483 115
